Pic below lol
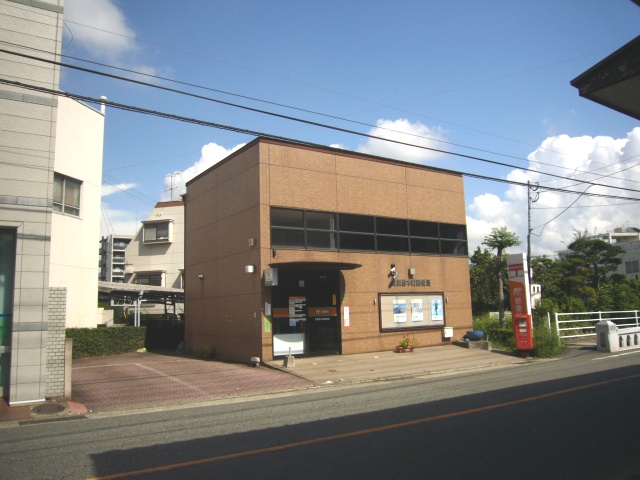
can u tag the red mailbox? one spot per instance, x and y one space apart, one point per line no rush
523 331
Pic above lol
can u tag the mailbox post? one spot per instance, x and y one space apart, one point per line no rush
523 332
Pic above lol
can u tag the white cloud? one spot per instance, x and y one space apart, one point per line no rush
211 154
403 130
603 160
121 187
100 27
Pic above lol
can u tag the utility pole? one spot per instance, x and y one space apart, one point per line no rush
530 200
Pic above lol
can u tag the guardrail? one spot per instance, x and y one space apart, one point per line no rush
583 324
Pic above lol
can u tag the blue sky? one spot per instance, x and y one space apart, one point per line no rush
487 78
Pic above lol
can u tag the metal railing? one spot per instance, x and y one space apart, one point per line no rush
583 324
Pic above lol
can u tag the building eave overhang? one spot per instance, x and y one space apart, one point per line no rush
306 265
615 81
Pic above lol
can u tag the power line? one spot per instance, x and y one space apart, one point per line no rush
309 122
254 133
287 117
379 104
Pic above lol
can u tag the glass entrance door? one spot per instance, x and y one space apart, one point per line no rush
305 307
7 274
323 334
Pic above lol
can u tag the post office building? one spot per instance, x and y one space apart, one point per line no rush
309 250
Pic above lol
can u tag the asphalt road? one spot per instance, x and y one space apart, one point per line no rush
569 418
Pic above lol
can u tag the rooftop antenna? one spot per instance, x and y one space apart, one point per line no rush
173 188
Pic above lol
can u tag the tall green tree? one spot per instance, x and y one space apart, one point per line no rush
587 271
484 284
500 239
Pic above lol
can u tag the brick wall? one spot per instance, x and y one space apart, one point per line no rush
56 341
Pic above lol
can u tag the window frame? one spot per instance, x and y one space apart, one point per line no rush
60 203
372 233
153 224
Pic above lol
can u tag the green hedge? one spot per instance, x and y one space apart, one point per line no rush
98 342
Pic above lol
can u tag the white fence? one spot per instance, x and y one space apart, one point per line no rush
583 324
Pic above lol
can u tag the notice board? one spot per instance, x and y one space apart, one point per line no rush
411 310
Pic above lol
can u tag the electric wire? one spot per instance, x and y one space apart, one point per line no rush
287 117
379 104
293 118
253 133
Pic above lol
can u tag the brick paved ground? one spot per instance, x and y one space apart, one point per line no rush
136 380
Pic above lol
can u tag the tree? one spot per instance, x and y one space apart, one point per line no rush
484 286
595 259
500 239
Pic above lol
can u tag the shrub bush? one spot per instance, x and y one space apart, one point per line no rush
546 342
98 342
501 338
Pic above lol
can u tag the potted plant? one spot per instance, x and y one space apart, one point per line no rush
407 344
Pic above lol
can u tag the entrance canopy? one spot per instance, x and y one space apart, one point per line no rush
304 265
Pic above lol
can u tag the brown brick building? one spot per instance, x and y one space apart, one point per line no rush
317 250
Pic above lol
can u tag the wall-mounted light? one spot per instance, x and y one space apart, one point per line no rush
201 276
412 272
248 269
393 272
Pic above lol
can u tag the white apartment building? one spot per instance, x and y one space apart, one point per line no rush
76 210
155 255
50 176
629 239
113 258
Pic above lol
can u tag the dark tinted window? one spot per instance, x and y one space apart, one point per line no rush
392 244
321 220
448 230
356 223
287 238
354 241
423 229
284 217
391 226
321 240
423 245
453 247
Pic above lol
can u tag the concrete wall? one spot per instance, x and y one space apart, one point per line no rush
74 257
27 152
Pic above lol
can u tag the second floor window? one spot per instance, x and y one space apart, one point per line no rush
154 279
156 232
66 195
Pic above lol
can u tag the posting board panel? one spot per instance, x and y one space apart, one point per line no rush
411 311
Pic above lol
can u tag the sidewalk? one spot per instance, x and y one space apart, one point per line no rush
381 366
144 380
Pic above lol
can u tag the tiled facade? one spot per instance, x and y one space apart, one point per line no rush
228 227
27 137
56 342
